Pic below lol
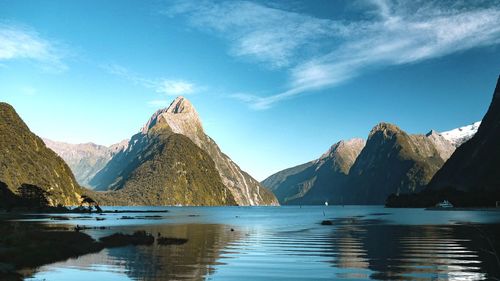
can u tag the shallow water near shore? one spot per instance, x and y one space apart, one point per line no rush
288 243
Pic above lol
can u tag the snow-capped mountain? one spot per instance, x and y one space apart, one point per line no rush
460 135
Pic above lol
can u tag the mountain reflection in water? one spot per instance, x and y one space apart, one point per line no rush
413 252
191 261
289 243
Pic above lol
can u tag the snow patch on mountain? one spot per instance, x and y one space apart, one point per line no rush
460 135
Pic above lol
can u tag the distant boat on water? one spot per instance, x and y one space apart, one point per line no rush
326 203
444 204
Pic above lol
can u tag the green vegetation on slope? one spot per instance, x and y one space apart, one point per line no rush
169 170
24 159
391 162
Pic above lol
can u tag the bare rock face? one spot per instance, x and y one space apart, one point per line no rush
317 181
85 159
181 118
444 147
25 160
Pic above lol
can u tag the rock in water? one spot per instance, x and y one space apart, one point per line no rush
25 160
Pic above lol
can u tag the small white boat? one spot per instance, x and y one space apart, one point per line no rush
326 203
444 204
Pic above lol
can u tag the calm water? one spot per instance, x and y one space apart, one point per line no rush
289 243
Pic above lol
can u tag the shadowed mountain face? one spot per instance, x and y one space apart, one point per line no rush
317 181
25 160
142 165
394 162
85 159
475 166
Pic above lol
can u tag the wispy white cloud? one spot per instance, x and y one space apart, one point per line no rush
175 87
269 35
321 53
170 87
20 42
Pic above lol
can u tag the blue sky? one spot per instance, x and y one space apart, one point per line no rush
275 82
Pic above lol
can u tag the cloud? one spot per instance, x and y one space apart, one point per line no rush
269 35
20 42
322 53
175 87
169 87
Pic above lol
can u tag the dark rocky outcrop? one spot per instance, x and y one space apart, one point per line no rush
475 165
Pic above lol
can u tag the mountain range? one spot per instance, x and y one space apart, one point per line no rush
366 172
470 178
171 161
85 159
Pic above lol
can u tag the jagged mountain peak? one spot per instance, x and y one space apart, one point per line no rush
340 146
180 117
385 128
180 105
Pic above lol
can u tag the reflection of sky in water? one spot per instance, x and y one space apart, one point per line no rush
78 274
288 243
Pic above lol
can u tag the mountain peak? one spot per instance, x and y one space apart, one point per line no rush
180 105
384 128
6 106
179 115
